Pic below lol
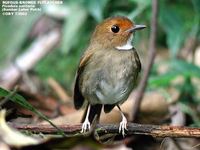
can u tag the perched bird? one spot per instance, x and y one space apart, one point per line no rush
108 70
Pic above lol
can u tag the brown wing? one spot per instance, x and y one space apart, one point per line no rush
137 60
78 97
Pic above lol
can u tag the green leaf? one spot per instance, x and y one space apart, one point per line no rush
177 68
14 31
196 5
174 41
185 68
72 25
96 8
142 2
162 80
196 28
172 23
141 6
16 98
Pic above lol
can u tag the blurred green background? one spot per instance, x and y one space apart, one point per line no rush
178 26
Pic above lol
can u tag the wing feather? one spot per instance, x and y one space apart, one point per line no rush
78 97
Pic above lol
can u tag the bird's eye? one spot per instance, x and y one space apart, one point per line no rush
115 28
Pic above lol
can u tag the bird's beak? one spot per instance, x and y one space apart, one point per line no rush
136 27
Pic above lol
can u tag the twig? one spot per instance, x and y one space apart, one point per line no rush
40 47
133 128
64 97
151 56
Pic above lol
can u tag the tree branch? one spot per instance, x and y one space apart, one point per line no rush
26 61
133 128
151 56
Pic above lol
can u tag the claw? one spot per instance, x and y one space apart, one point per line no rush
85 126
86 123
123 124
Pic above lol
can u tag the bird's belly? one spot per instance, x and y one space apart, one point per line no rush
112 94
109 83
110 86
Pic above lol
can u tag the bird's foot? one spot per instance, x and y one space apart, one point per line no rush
85 126
123 126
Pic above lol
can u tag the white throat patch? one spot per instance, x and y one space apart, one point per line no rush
127 46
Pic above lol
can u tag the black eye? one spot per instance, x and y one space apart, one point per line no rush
115 28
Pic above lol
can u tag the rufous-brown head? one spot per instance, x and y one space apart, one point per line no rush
115 32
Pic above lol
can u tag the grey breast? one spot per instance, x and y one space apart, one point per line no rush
111 82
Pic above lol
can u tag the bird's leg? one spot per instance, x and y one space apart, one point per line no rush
123 123
86 123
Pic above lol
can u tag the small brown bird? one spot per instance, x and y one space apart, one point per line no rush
108 70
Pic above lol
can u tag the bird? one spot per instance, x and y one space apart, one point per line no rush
108 70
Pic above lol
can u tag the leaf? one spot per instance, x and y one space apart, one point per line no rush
141 6
162 80
172 23
196 28
196 5
177 68
96 8
16 98
185 68
13 137
73 23
14 31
